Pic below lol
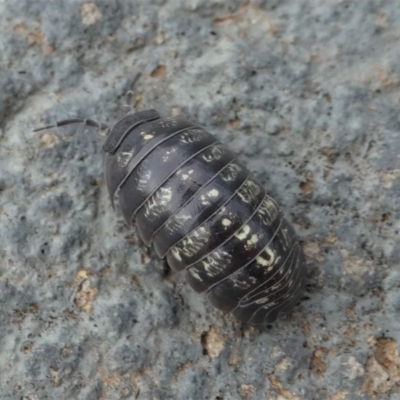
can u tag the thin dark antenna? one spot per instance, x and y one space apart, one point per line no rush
88 122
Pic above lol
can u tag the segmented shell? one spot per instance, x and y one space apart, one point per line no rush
201 208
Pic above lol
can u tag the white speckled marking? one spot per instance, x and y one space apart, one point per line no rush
176 254
268 263
286 238
213 193
262 300
147 135
244 283
268 211
168 153
254 239
194 274
158 201
214 153
123 158
214 263
249 191
165 196
193 243
182 217
231 172
168 122
144 179
192 135
242 234
262 261
226 222
251 242
173 225
204 200
187 176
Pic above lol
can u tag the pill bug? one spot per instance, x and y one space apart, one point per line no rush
205 212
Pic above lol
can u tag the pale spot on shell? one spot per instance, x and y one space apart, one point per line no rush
254 239
148 136
213 193
261 301
206 265
262 261
242 234
195 274
175 253
182 217
186 176
123 158
226 222
251 242
159 200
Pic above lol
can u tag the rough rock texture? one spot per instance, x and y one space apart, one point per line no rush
308 92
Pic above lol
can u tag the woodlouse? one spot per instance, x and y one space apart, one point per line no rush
206 213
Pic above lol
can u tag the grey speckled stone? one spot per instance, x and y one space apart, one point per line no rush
307 92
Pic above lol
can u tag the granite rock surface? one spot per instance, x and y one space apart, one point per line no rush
307 92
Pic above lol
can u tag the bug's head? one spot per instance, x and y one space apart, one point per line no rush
125 125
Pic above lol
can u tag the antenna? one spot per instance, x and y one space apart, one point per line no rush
88 122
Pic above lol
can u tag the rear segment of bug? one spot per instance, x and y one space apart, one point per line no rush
206 213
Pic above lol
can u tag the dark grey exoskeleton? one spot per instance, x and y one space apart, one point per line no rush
201 208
